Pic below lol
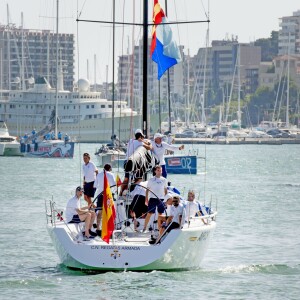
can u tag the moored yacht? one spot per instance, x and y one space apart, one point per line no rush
9 146
83 114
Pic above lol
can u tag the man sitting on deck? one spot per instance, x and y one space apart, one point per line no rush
76 214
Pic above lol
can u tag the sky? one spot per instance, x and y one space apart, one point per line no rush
246 19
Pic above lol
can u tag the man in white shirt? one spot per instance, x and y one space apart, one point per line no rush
99 186
177 215
192 207
89 174
133 144
159 149
76 214
156 191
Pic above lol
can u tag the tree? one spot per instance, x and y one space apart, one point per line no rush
269 46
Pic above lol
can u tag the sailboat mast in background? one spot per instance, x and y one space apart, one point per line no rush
56 91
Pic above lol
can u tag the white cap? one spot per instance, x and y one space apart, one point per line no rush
167 197
158 135
139 131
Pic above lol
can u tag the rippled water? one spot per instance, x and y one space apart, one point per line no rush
255 252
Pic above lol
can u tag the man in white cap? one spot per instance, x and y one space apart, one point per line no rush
159 149
139 140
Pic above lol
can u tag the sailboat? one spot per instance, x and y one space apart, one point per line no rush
9 145
127 248
47 143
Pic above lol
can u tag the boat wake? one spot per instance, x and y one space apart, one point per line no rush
261 268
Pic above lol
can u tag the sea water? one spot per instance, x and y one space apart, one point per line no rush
255 252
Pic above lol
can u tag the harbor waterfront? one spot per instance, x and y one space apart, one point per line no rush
238 141
254 252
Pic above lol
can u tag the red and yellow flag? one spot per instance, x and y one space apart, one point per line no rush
108 212
118 180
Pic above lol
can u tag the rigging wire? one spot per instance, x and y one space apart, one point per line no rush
78 69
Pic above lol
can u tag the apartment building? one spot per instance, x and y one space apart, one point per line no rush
289 34
28 53
130 80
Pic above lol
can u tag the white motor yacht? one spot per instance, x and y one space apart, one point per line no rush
9 146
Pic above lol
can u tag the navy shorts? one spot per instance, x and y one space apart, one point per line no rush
89 189
138 206
173 225
153 203
75 219
99 202
164 171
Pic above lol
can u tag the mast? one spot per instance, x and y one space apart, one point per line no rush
287 122
239 86
203 119
168 76
56 91
187 117
8 50
145 67
22 54
95 81
113 75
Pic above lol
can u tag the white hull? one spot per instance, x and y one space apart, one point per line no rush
48 149
10 149
9 146
87 131
181 249
129 250
113 158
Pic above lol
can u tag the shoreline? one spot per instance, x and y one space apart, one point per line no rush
240 141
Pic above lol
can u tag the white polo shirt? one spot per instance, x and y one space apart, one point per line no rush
89 170
176 211
191 209
139 189
99 182
132 146
157 186
71 209
160 149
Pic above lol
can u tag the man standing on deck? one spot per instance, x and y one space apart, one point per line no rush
89 175
159 149
133 144
155 193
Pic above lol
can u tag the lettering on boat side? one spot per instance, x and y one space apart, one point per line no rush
134 248
202 237
44 149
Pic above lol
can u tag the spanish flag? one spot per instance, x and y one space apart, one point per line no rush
108 212
118 180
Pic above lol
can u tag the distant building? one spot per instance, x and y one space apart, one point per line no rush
130 80
267 75
28 53
289 34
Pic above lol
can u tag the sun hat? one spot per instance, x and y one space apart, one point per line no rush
139 131
158 135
